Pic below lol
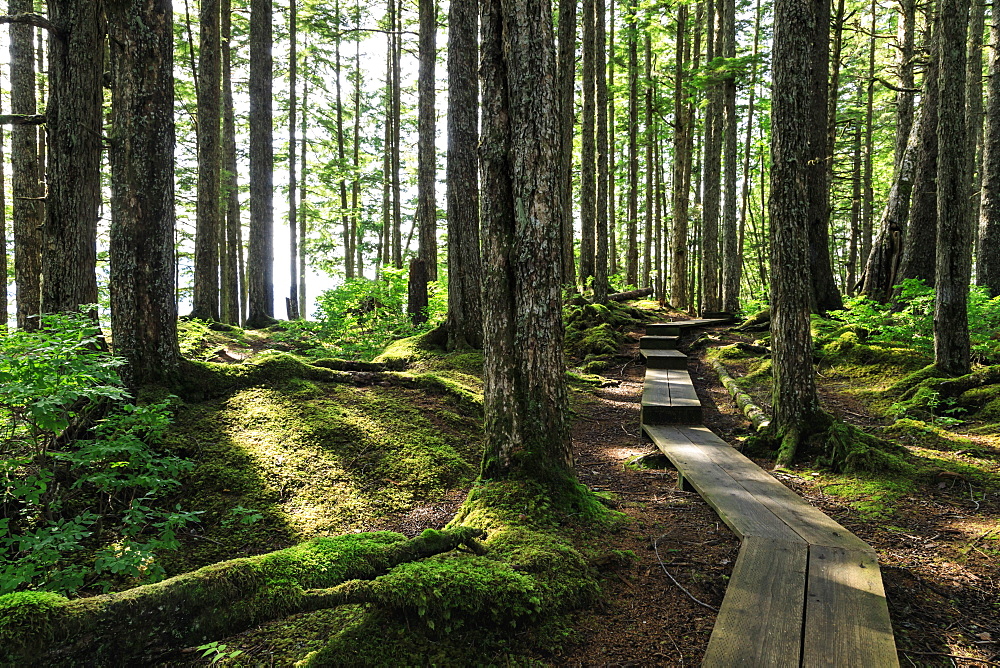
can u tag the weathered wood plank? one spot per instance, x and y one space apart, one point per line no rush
662 329
668 397
760 622
846 615
664 359
653 342
815 527
742 513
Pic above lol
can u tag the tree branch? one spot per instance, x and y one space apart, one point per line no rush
896 88
36 20
22 119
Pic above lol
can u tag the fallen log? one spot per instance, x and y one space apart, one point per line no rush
135 626
754 413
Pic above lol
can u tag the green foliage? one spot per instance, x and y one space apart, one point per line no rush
362 316
912 326
216 652
81 503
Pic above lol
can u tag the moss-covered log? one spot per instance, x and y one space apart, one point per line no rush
754 413
134 626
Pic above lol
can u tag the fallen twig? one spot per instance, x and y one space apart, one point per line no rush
674 580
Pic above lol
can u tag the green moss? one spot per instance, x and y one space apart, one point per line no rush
978 397
905 387
37 610
847 448
414 348
873 496
925 435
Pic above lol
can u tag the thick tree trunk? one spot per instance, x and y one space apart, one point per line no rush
74 130
292 303
919 246
567 116
678 247
954 233
712 173
612 154
260 256
868 203
232 274
988 261
588 151
209 211
416 303
732 258
426 155
632 225
647 236
525 393
907 56
397 198
465 313
795 109
28 211
603 178
4 308
974 98
143 311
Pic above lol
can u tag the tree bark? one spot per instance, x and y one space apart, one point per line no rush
426 155
712 166
868 203
293 312
988 261
416 303
4 307
954 234
588 150
732 259
567 116
143 311
907 56
647 236
678 248
465 314
232 275
261 252
28 211
632 225
74 132
794 109
525 398
209 218
603 176
974 99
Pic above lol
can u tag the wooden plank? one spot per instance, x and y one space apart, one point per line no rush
846 615
815 527
760 622
662 329
668 397
664 359
742 513
658 342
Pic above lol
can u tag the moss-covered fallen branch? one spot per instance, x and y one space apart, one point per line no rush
133 626
754 413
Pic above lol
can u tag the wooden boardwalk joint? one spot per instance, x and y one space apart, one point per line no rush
805 591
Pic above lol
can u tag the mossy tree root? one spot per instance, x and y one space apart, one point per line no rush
754 413
137 625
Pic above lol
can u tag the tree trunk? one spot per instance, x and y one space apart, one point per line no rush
302 220
385 238
74 130
732 258
954 233
650 194
920 243
426 155
795 107
465 313
907 56
567 116
748 143
293 232
232 274
868 203
632 228
588 151
603 177
4 307
26 191
712 171
416 303
209 223
143 313
397 217
988 261
678 248
974 99
260 255
612 159
356 147
525 398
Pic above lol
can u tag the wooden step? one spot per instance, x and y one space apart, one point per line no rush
669 397
664 359
662 329
658 342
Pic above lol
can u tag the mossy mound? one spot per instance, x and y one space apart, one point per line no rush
925 435
596 331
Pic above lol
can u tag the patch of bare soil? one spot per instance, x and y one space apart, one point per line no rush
649 615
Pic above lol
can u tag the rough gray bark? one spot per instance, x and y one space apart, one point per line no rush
525 398
612 164
567 116
588 150
143 311
603 182
416 303
4 309
919 246
648 239
426 156
209 213
260 255
794 110
347 218
396 19
27 208
678 247
231 274
974 97
954 231
732 259
632 223
712 182
465 314
907 56
292 301
74 134
988 261
868 203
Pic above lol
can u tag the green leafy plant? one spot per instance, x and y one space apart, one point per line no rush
216 652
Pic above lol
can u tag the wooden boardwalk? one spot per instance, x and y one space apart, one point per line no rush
804 591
